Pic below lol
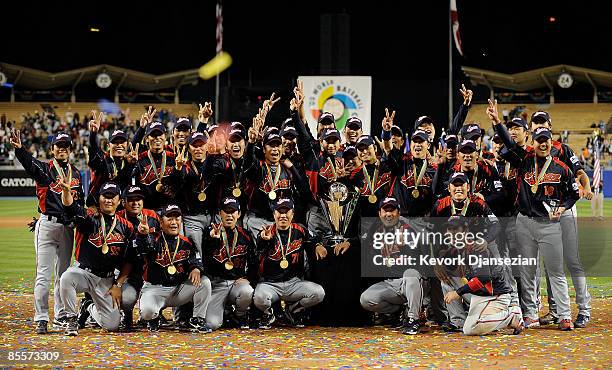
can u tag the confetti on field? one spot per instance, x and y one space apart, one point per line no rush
312 347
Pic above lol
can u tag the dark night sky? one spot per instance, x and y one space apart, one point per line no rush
279 39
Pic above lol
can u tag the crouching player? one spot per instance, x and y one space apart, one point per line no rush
485 288
172 272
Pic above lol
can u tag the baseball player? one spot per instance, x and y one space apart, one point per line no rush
483 287
230 262
282 247
569 229
103 245
155 171
116 165
172 273
134 211
53 237
395 294
547 188
352 130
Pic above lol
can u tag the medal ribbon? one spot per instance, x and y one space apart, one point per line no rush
507 170
178 240
59 170
273 183
370 181
463 209
114 166
333 168
417 180
105 235
159 175
474 180
539 177
280 242
226 244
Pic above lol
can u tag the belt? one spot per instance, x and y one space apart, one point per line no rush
98 273
53 219
540 219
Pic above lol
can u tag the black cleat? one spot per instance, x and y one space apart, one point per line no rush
127 321
153 325
199 325
41 327
72 327
449 327
84 312
60 324
581 321
549 319
267 319
411 327
163 322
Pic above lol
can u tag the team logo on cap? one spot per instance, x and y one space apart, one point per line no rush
282 201
472 128
172 207
466 142
228 201
62 136
182 119
236 131
133 189
117 132
109 186
155 124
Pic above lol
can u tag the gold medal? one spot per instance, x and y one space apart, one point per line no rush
415 193
158 187
372 198
104 248
171 270
534 188
284 264
272 195
464 280
202 196
229 265
236 192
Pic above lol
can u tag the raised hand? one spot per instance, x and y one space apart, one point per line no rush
15 139
143 226
215 232
147 117
179 158
266 232
133 153
96 121
386 145
440 155
268 104
467 95
205 112
492 111
387 122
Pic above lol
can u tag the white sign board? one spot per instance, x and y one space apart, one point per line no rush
342 96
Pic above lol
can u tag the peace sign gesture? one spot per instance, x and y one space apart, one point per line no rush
143 226
467 95
179 158
133 153
492 111
205 112
147 117
266 232
96 121
16 139
268 104
297 102
215 232
387 122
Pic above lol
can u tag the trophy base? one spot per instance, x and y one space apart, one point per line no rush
333 240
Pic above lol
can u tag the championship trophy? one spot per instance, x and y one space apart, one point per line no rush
338 207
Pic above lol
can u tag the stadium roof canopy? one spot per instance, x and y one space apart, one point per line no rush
538 78
29 78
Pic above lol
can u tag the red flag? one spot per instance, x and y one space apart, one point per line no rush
455 22
219 31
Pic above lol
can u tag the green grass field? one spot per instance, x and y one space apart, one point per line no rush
17 257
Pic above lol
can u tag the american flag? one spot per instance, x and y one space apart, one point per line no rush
597 167
455 21
219 12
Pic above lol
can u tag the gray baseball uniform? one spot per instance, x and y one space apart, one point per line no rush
155 297
307 293
227 292
391 295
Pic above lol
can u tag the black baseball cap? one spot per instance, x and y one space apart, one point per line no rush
349 152
519 122
197 136
467 144
496 139
389 202
326 118
237 126
109 189
541 116
235 135
330 132
470 131
272 136
354 121
421 135
542 132
231 204
451 140
118 135
289 131
421 121
171 209
155 127
364 140
458 177
396 131
133 192
183 122
283 203
62 137
212 128
456 221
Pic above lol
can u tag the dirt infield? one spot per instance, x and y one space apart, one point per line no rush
16 221
312 347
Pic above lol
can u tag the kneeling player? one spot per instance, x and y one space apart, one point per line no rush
229 254
391 295
484 287
172 271
282 248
